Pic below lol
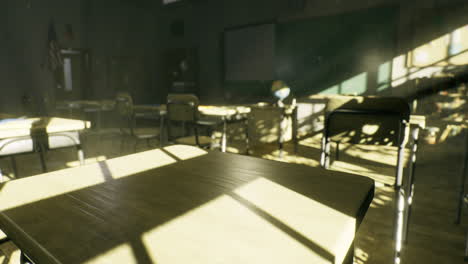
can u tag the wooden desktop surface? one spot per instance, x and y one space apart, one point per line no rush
181 204
207 110
24 126
142 109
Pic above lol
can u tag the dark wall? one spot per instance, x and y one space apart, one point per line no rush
204 22
121 36
340 40
317 53
24 47
128 40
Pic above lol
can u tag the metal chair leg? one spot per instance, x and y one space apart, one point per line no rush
24 259
399 166
247 141
337 151
161 131
400 157
411 180
224 136
398 225
322 153
462 181
465 258
325 156
400 203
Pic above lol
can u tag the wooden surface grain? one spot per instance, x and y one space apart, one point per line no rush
182 204
207 110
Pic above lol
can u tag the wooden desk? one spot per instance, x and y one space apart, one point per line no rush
182 204
26 126
26 135
227 114
223 111
87 106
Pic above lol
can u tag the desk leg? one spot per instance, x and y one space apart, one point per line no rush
80 155
15 168
223 138
41 157
295 128
247 140
161 131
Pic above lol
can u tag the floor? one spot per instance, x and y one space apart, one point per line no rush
433 237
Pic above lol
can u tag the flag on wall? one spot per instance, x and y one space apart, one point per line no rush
54 58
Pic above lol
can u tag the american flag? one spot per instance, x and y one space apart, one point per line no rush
54 58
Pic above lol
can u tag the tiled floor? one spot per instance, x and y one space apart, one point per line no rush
433 237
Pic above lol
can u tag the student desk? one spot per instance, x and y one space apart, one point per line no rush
96 107
182 204
25 135
225 113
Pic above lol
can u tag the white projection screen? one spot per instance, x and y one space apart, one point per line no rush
249 53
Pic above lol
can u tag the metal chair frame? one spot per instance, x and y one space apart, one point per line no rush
40 145
193 106
462 196
128 121
404 194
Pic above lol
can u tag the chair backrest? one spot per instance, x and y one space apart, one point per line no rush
124 109
366 120
264 124
124 104
182 107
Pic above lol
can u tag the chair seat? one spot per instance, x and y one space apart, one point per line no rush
143 132
374 161
208 122
203 140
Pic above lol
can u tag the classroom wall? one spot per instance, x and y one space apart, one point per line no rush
23 47
205 21
379 30
128 39
121 36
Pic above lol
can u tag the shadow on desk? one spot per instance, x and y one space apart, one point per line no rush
146 207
